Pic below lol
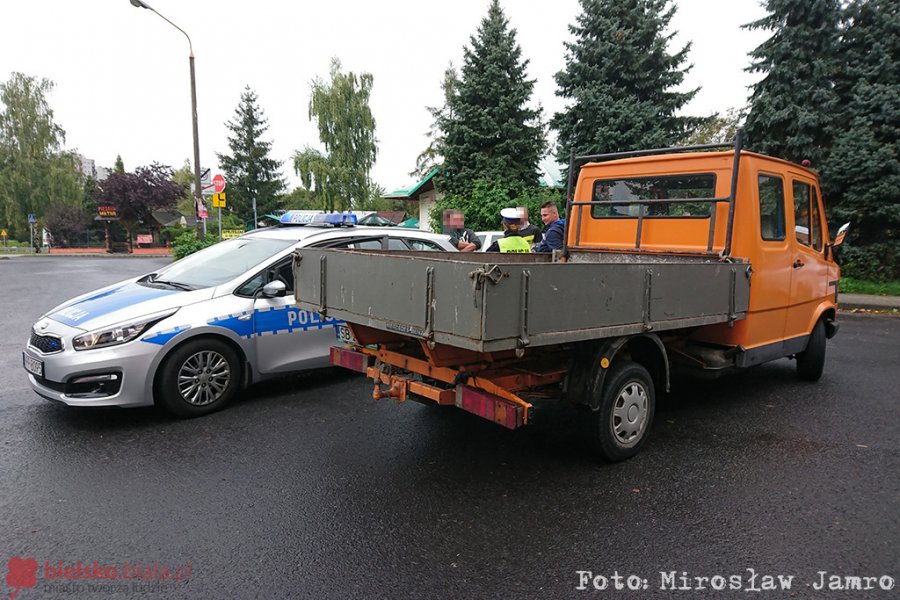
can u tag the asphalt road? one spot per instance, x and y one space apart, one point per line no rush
309 488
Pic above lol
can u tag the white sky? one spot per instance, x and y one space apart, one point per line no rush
123 86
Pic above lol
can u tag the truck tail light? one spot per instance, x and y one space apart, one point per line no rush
490 407
350 359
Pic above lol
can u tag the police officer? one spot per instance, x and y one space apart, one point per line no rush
512 240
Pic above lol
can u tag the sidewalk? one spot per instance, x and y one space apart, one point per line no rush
867 301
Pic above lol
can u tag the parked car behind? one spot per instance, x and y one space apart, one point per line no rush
192 334
487 238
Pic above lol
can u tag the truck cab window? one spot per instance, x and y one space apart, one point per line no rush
701 186
771 207
807 223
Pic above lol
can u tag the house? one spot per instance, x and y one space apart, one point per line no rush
422 193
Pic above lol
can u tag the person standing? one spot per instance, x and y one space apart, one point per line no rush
528 231
512 240
555 232
463 239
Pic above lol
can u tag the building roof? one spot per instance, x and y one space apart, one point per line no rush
423 186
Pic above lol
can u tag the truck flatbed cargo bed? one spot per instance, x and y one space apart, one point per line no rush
495 302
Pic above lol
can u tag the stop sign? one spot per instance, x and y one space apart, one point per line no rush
219 183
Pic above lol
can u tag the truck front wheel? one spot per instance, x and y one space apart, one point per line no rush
811 362
621 424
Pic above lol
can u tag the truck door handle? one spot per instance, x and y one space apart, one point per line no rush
798 263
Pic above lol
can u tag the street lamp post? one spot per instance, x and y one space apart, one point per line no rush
198 197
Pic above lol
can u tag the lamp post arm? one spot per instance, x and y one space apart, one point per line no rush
190 45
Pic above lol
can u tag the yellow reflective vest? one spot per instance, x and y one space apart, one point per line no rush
514 243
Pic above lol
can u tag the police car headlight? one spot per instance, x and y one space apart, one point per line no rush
118 334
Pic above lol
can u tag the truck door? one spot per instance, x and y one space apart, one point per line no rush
809 269
770 291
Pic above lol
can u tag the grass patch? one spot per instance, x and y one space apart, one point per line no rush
860 286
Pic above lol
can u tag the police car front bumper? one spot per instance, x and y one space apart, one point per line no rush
113 376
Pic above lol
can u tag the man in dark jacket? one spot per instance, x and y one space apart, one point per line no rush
554 234
461 237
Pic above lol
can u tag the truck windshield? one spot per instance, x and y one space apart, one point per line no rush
667 187
222 262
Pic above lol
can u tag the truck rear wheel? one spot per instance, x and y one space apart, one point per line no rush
620 426
811 362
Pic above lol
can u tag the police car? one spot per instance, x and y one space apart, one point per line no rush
192 334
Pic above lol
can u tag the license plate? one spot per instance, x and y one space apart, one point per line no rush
343 334
33 365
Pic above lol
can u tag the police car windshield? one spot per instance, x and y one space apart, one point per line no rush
222 262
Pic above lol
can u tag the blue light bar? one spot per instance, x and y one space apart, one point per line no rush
297 217
335 219
311 217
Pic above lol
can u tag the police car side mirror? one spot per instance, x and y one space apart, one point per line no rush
274 289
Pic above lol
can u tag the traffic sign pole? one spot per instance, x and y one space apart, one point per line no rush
220 223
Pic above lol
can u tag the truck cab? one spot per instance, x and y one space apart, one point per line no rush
777 225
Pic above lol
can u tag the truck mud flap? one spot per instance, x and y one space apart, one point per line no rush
350 359
490 407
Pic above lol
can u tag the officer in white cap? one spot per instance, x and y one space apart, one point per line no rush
512 240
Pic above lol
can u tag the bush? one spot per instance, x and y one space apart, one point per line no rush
187 243
482 206
876 262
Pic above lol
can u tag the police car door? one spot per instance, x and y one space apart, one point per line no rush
288 339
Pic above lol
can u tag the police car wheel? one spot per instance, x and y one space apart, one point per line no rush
198 378
620 427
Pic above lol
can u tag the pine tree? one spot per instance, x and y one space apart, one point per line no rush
249 170
794 105
621 80
862 171
489 132
433 155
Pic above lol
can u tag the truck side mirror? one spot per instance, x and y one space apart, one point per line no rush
841 234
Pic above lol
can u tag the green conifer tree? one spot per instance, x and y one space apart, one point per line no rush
862 171
620 80
249 171
488 130
794 105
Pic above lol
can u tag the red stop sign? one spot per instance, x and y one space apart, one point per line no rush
219 183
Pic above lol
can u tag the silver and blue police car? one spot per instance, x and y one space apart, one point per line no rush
191 335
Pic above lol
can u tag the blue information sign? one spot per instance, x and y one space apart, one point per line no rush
32 219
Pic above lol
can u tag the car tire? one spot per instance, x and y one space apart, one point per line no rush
811 362
620 427
198 378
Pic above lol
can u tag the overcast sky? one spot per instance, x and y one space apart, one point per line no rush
123 85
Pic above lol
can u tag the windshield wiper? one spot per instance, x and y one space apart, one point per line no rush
174 284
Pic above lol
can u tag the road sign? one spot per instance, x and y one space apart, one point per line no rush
202 213
3 233
32 219
228 234
218 200
219 183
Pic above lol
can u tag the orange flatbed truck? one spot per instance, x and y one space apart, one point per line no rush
703 258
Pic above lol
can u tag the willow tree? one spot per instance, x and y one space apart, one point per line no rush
340 108
34 171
